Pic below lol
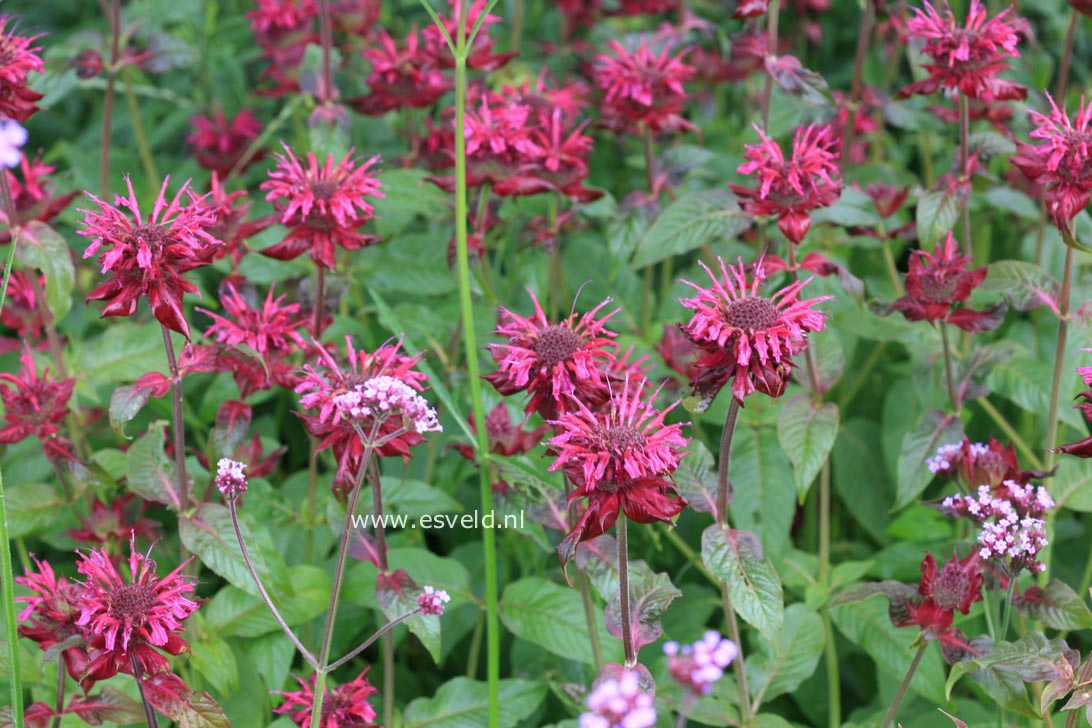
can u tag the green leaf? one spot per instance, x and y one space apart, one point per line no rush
31 507
209 534
696 479
1002 667
151 473
649 597
866 624
853 209
121 354
779 668
464 703
1024 284
858 458
125 403
735 558
937 213
214 659
933 429
408 195
235 613
396 594
42 247
689 223
764 491
1056 606
552 617
807 435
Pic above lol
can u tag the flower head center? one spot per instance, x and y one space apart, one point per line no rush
991 462
753 313
619 438
323 189
151 235
940 287
951 586
131 601
555 344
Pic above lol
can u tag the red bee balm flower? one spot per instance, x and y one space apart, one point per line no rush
352 396
130 620
967 59
554 362
35 405
1062 163
790 188
937 281
269 330
51 611
343 707
18 57
148 257
941 593
618 459
219 144
643 88
322 207
747 338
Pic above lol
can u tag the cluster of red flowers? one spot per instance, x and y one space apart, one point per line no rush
18 58
941 593
1082 448
1062 164
642 88
108 624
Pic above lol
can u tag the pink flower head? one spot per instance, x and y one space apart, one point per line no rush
619 459
619 703
747 337
133 618
230 478
346 706
432 601
403 76
556 363
344 402
967 59
641 87
51 610
22 311
1062 163
219 144
323 207
18 58
282 15
269 330
941 592
979 463
36 404
701 664
33 198
751 8
937 282
791 188
149 257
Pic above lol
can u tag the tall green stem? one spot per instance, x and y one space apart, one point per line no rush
949 378
772 16
964 155
470 346
904 687
177 424
112 10
623 592
7 578
1056 381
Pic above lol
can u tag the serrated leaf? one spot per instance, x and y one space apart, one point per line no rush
214 659
552 617
210 535
464 703
937 213
1024 284
807 434
1056 606
690 222
735 558
649 597
696 479
151 475
31 507
42 247
933 429
765 494
781 667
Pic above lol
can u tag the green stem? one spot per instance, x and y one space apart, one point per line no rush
1007 607
138 675
623 593
964 155
112 10
178 427
772 17
58 696
555 258
834 685
949 378
143 148
1056 381
987 609
892 269
904 687
470 346
7 582
724 483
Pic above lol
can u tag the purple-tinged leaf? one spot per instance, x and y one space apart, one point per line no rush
649 597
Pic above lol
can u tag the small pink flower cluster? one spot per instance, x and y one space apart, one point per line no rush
382 397
619 703
432 601
701 664
1017 532
230 478
942 461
